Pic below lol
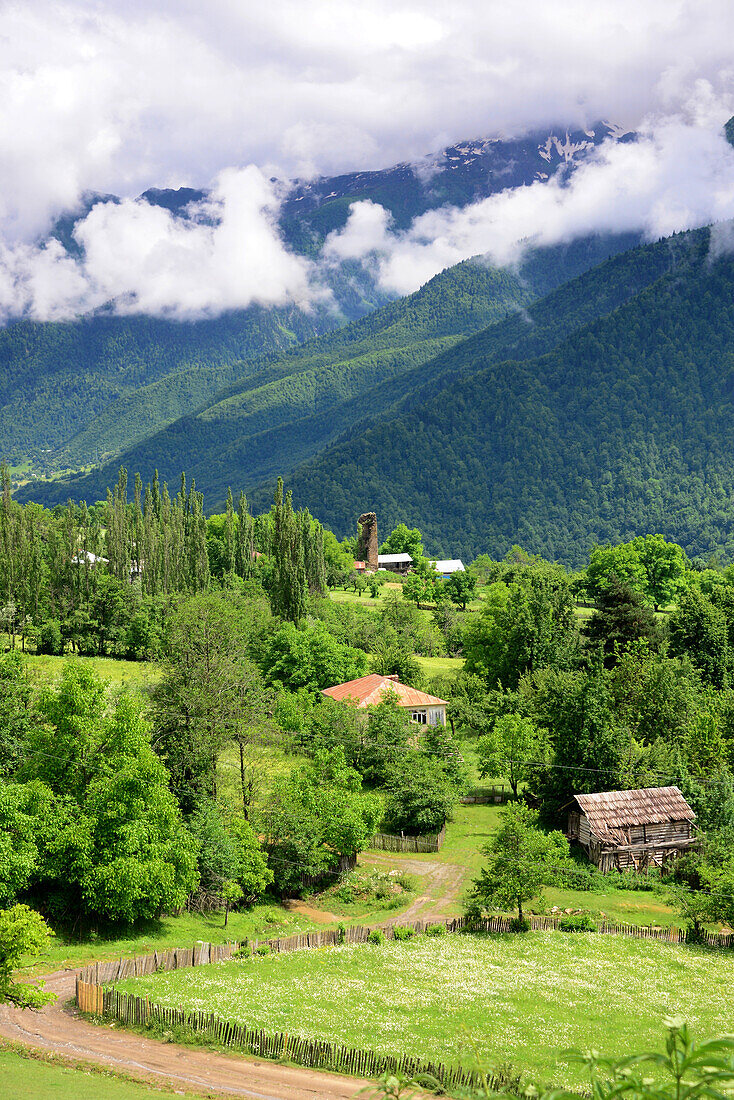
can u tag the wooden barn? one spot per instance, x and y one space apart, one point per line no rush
632 830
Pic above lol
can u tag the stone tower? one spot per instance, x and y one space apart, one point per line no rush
367 539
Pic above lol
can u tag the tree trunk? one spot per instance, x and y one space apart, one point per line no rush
245 800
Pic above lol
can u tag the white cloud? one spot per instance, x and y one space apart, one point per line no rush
120 95
226 255
678 175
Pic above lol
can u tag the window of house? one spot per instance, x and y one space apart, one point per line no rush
419 716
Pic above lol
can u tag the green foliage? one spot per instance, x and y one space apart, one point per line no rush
615 455
460 587
376 937
309 657
231 862
621 620
510 749
436 930
420 796
16 716
577 708
524 625
519 859
107 830
620 564
403 540
298 401
23 934
665 567
686 1070
577 922
420 588
388 735
699 629
402 932
317 818
211 692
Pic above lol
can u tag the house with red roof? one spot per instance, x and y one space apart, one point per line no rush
367 691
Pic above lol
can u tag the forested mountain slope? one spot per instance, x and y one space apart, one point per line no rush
625 427
72 392
56 378
288 408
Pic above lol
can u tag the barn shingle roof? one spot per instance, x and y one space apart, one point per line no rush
611 811
368 690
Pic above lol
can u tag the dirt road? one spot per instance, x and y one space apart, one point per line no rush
440 885
60 1029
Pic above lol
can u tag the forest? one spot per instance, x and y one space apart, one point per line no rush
273 411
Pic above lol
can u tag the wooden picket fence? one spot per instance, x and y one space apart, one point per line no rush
95 994
497 794
314 1053
429 842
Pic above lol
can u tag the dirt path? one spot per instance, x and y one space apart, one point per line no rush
60 1029
318 916
440 885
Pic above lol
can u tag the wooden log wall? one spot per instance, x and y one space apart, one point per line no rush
95 994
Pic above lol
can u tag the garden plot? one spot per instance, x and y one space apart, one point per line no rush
518 999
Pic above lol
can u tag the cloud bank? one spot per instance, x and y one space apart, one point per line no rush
139 258
115 96
678 175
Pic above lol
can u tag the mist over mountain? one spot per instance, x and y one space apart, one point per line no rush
73 392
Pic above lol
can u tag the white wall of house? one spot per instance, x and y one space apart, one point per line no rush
428 716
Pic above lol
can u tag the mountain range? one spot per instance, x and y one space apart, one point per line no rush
77 392
585 395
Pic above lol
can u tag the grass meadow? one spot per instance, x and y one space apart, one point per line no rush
82 946
517 999
27 1076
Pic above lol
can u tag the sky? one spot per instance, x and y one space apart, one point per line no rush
115 97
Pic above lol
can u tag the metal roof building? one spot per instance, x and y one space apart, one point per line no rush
368 691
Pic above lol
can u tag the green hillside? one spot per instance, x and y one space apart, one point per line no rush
625 427
57 379
288 408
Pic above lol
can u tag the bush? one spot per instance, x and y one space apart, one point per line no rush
50 640
263 949
580 922
402 932
519 924
376 936
436 930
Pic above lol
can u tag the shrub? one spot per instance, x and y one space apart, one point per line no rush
402 932
50 639
579 922
519 924
436 930
263 949
376 936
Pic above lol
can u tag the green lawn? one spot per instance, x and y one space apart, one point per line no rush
441 666
27 1077
130 673
518 999
262 921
